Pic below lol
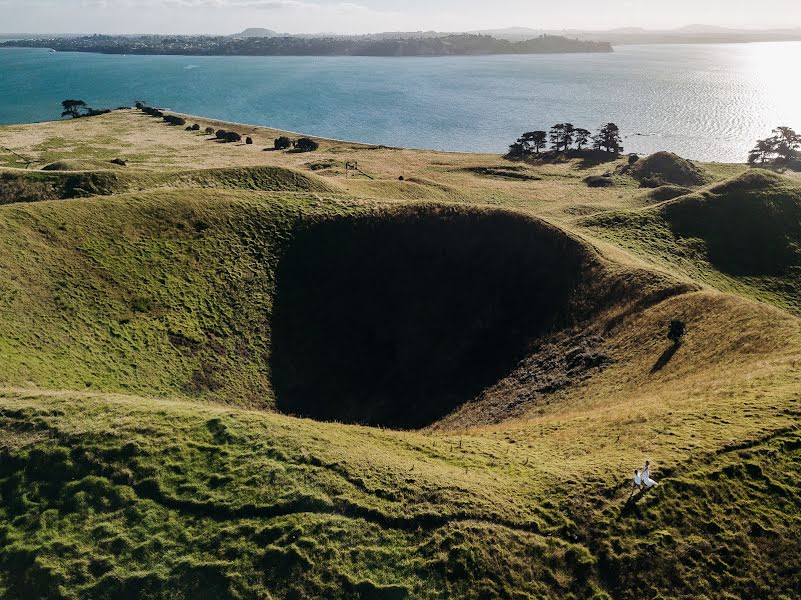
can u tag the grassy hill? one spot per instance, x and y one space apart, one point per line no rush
231 373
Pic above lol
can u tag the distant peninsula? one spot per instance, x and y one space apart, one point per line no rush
450 45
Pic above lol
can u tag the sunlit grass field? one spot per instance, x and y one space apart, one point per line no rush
143 453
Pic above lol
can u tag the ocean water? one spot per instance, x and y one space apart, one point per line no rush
705 102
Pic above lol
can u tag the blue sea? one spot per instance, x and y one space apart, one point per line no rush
706 102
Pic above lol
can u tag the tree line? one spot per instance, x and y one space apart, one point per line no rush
782 148
564 137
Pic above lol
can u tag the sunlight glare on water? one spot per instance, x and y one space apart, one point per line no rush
706 102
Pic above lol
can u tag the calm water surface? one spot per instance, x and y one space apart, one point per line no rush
707 102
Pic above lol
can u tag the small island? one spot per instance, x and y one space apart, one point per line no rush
450 45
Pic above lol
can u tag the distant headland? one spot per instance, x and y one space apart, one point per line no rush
450 45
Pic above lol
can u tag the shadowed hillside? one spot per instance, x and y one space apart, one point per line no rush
398 318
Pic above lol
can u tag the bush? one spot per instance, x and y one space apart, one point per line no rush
633 158
153 112
195 127
228 136
210 130
249 141
282 143
306 145
173 120
598 181
119 161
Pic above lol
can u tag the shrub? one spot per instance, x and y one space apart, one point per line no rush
210 130
228 136
598 181
306 145
676 330
119 161
282 143
195 127
173 120
633 158
249 141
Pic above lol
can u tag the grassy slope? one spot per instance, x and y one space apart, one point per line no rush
103 495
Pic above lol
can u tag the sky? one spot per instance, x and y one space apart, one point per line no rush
363 16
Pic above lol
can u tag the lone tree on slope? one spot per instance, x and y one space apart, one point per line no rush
676 331
72 108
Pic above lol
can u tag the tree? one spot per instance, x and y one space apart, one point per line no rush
582 137
763 152
787 143
676 331
72 108
557 136
538 140
282 143
608 139
568 134
782 147
517 149
306 145
531 141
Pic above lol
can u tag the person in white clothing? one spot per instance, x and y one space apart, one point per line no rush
637 484
646 475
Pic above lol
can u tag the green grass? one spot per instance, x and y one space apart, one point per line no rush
742 236
141 455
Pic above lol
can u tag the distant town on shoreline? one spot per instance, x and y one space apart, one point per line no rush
266 45
512 40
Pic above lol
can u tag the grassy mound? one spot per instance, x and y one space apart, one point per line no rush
666 168
32 186
268 179
78 165
751 225
203 294
417 310
667 192
742 236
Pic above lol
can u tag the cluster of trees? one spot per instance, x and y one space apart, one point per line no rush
155 112
399 45
300 145
782 148
282 143
564 137
76 109
149 110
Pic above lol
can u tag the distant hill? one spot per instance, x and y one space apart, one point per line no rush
256 32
